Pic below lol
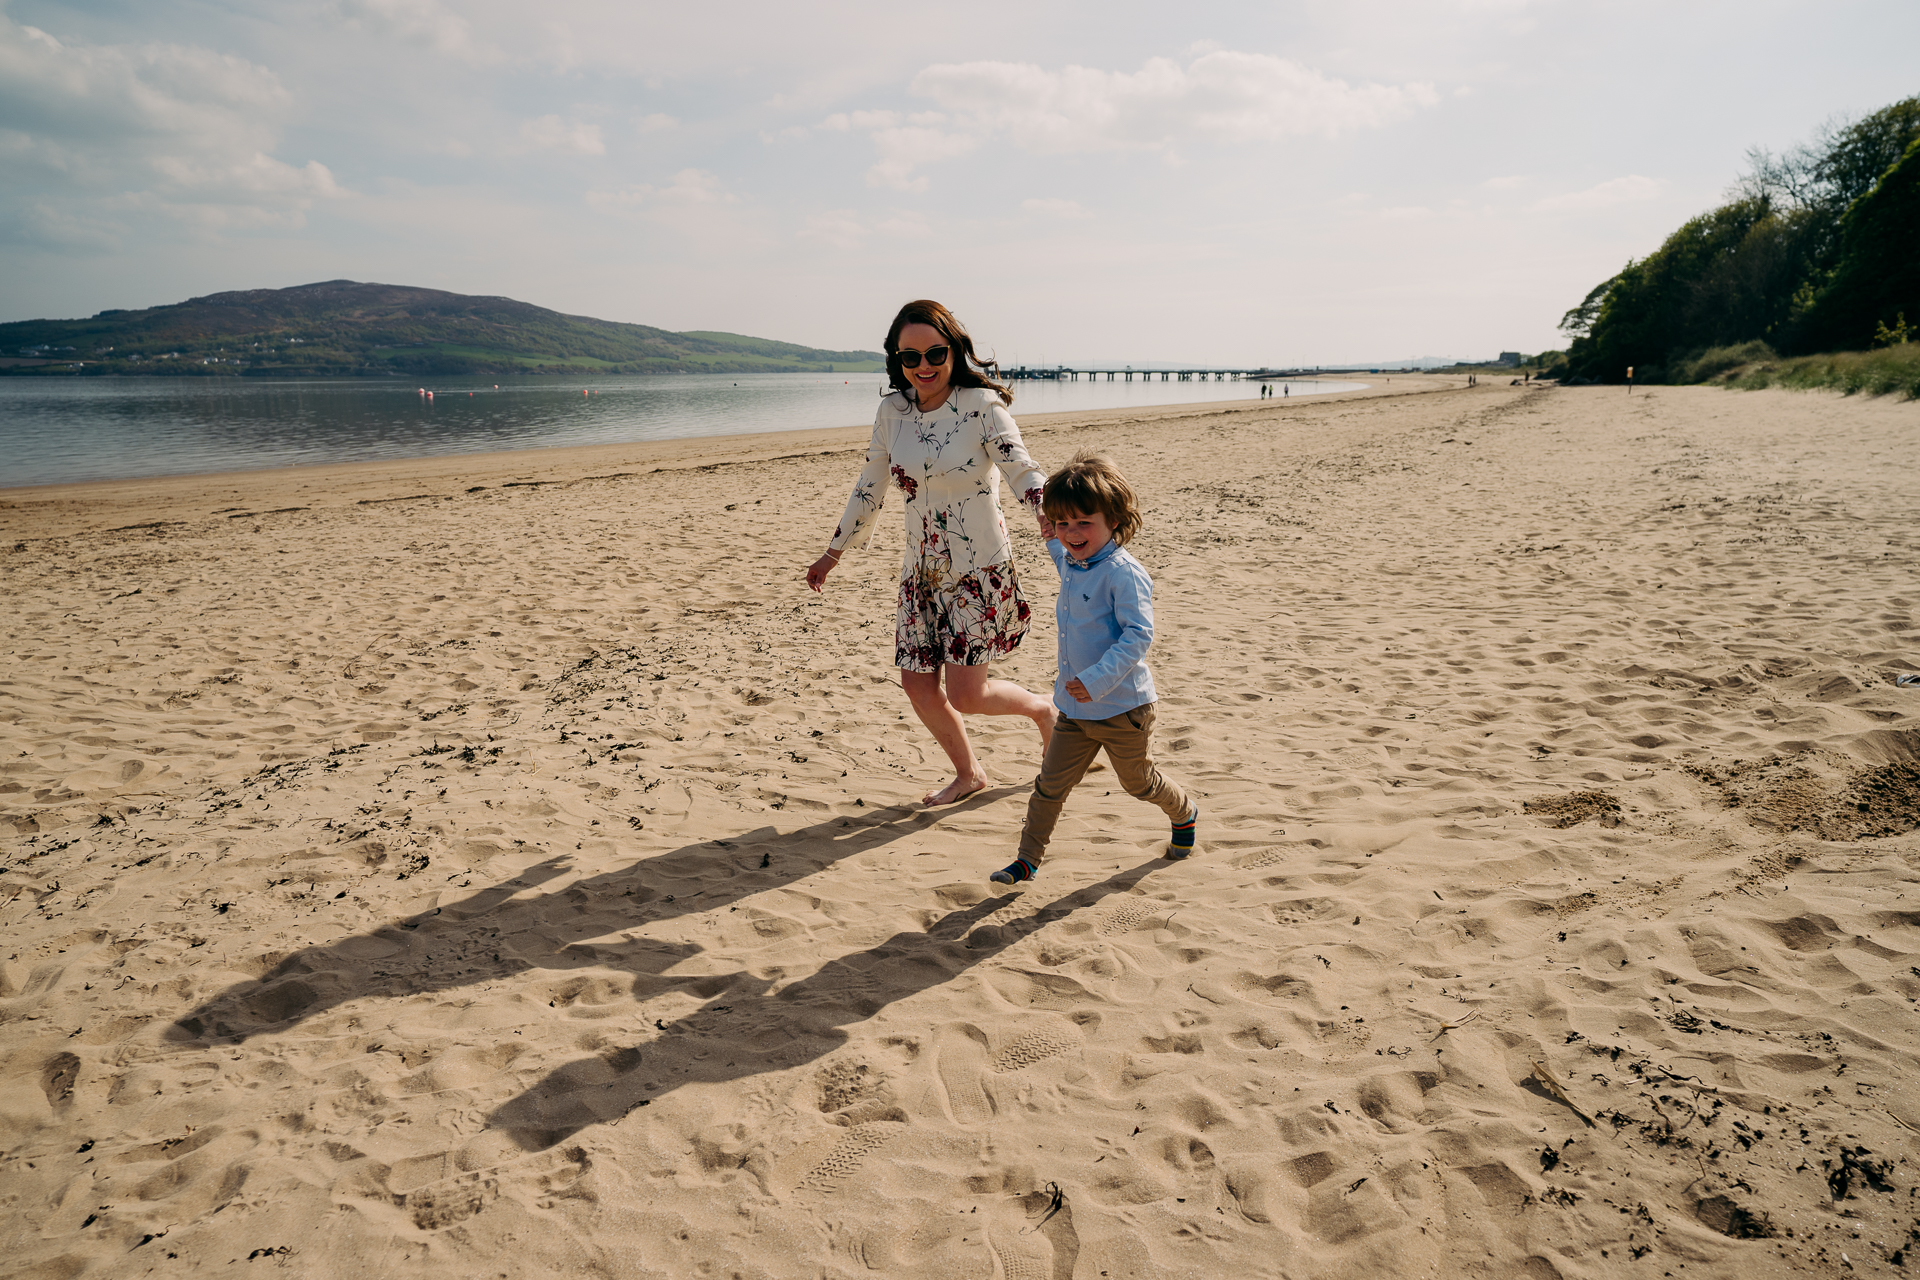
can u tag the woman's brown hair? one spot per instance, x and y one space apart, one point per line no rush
1091 485
969 370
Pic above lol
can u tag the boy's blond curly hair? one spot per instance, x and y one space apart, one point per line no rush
1090 485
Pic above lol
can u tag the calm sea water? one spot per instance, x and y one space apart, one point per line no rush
58 431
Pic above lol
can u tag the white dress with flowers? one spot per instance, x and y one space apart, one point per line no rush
960 599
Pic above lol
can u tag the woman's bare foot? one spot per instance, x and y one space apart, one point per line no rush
958 789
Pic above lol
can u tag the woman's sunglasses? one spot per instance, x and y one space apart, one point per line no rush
936 356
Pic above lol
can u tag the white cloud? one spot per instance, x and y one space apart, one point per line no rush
51 228
169 128
1217 97
841 121
904 141
656 123
697 186
1505 184
846 229
902 150
840 228
1054 206
77 99
626 200
251 180
690 187
910 227
1627 190
551 133
427 22
1220 96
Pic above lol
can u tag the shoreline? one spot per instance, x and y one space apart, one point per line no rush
341 483
719 439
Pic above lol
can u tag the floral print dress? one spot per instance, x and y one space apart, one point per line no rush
960 599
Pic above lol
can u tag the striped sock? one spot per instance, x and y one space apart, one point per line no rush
1182 842
1020 870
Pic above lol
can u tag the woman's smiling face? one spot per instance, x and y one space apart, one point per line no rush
930 382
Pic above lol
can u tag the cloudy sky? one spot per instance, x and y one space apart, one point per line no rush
1132 180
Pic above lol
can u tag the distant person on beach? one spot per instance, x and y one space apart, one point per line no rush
944 436
1103 690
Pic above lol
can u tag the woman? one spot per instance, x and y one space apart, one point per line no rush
944 436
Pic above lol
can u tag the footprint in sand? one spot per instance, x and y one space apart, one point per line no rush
450 1203
57 1079
961 1059
437 1193
1022 1258
1248 1184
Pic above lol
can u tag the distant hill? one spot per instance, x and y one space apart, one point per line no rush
344 327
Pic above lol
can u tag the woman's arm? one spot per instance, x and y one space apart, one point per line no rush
1001 439
817 571
869 496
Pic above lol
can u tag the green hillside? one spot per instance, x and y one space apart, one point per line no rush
341 327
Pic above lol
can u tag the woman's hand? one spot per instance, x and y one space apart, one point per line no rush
1046 526
817 571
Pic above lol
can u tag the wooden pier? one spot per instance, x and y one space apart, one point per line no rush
1061 373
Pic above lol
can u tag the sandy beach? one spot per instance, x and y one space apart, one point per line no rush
504 866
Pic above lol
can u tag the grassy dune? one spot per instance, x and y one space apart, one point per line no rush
1750 366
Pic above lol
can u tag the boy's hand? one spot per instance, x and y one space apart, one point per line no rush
1079 691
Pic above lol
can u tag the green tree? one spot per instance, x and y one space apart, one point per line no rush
1807 254
1877 281
1725 277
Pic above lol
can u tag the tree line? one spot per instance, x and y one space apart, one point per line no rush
1816 250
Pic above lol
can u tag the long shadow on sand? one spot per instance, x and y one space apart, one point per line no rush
743 1032
495 934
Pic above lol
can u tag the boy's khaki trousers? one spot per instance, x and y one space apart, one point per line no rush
1128 741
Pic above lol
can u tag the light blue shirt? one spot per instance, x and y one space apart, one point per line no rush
1105 614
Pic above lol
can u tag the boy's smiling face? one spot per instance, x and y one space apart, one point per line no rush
1083 534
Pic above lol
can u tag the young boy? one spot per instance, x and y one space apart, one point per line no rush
1103 692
